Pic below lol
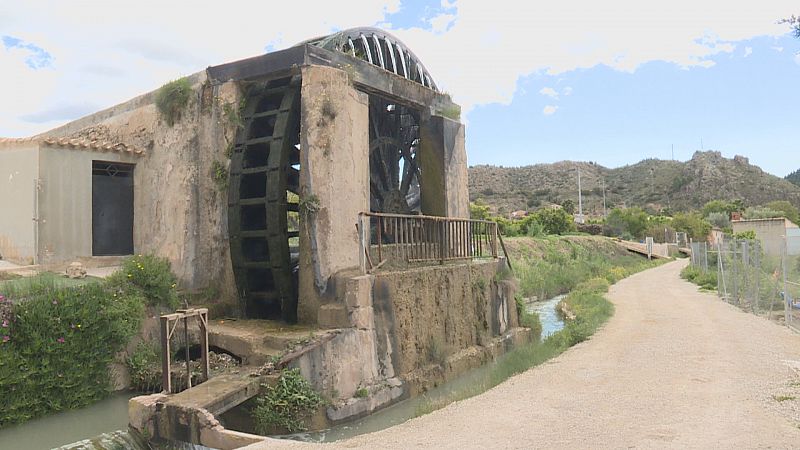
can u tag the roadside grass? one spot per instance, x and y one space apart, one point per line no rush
23 287
706 280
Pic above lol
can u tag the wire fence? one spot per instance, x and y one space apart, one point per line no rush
760 277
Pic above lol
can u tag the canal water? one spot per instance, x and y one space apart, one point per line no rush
109 416
548 315
68 426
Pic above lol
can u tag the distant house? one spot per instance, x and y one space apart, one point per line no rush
519 214
774 234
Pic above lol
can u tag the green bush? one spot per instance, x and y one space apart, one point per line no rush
285 405
149 276
55 352
144 367
706 280
172 98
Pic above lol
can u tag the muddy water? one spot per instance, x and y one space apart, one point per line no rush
476 380
68 426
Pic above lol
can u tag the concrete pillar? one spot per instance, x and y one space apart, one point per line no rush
443 159
334 178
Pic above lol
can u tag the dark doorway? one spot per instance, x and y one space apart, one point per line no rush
112 208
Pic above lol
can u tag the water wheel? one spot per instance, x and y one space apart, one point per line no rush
263 200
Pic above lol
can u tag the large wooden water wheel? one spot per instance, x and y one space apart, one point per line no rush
263 200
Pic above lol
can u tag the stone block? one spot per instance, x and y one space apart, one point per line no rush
362 318
76 270
359 292
333 315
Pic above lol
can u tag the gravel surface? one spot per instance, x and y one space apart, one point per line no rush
673 368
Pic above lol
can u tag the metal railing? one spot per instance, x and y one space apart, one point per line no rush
424 239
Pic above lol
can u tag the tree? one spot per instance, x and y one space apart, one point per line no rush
628 223
554 220
569 206
719 220
794 22
693 224
762 212
789 211
721 206
478 210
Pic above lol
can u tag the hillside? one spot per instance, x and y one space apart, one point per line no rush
794 177
652 184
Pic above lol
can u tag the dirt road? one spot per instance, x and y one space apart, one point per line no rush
673 368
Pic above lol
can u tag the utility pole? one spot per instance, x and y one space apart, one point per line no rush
580 198
673 151
605 214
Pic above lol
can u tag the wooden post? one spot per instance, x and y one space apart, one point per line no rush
204 343
166 382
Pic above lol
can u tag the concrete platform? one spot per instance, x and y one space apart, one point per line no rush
255 341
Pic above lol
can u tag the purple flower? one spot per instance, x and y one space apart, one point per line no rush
61 340
6 338
5 323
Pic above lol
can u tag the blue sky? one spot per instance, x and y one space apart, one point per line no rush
612 82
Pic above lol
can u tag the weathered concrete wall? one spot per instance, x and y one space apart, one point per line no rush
181 212
403 332
423 316
770 232
334 175
19 169
65 201
443 158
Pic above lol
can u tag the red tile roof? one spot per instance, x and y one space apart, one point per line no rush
77 143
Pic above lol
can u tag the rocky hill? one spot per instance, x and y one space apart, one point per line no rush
652 184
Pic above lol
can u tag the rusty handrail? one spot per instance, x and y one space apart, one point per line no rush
424 239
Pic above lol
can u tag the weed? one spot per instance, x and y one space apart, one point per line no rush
172 98
309 205
452 112
144 367
783 398
229 150
220 175
285 405
233 114
361 393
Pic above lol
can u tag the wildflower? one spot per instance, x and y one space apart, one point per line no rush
130 276
79 325
61 340
5 323
55 302
6 338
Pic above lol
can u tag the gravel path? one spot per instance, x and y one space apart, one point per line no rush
673 368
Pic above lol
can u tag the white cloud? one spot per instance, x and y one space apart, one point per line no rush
748 51
567 91
107 51
492 44
441 22
549 110
549 92
778 49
